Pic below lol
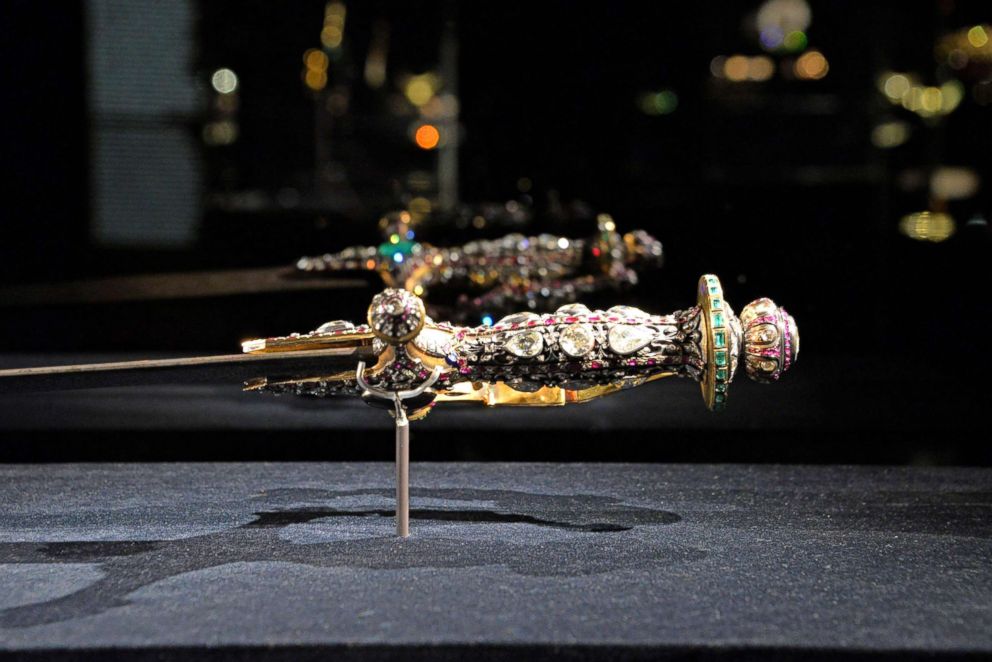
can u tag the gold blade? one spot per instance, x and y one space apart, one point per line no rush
148 287
227 368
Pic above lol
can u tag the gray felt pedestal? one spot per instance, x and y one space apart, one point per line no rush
299 561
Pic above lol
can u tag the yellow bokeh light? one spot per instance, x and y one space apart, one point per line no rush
224 132
421 89
331 36
931 101
890 134
812 66
760 68
419 92
224 81
913 99
418 290
735 68
427 136
954 183
420 206
739 68
978 37
927 226
315 80
315 59
953 92
894 86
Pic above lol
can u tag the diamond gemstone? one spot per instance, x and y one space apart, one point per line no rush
577 340
336 325
525 344
627 339
626 311
433 341
573 309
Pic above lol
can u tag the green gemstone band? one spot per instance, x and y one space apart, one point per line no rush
717 315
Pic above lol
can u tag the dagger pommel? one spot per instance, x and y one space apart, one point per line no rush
396 316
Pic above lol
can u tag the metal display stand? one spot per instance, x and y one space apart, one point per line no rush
402 425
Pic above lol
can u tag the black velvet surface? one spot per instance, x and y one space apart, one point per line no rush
298 561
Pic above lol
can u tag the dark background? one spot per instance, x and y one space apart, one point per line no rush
775 186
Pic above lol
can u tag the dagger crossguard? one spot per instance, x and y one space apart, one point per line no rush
571 355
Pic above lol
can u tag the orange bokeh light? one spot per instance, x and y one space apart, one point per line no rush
427 137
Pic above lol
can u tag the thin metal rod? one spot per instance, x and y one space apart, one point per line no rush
402 471
402 440
226 368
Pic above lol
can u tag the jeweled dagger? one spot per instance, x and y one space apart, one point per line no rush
405 362
571 355
542 271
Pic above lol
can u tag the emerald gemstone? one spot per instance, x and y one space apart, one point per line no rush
721 388
721 374
720 339
720 357
405 248
717 319
716 304
714 289
719 398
